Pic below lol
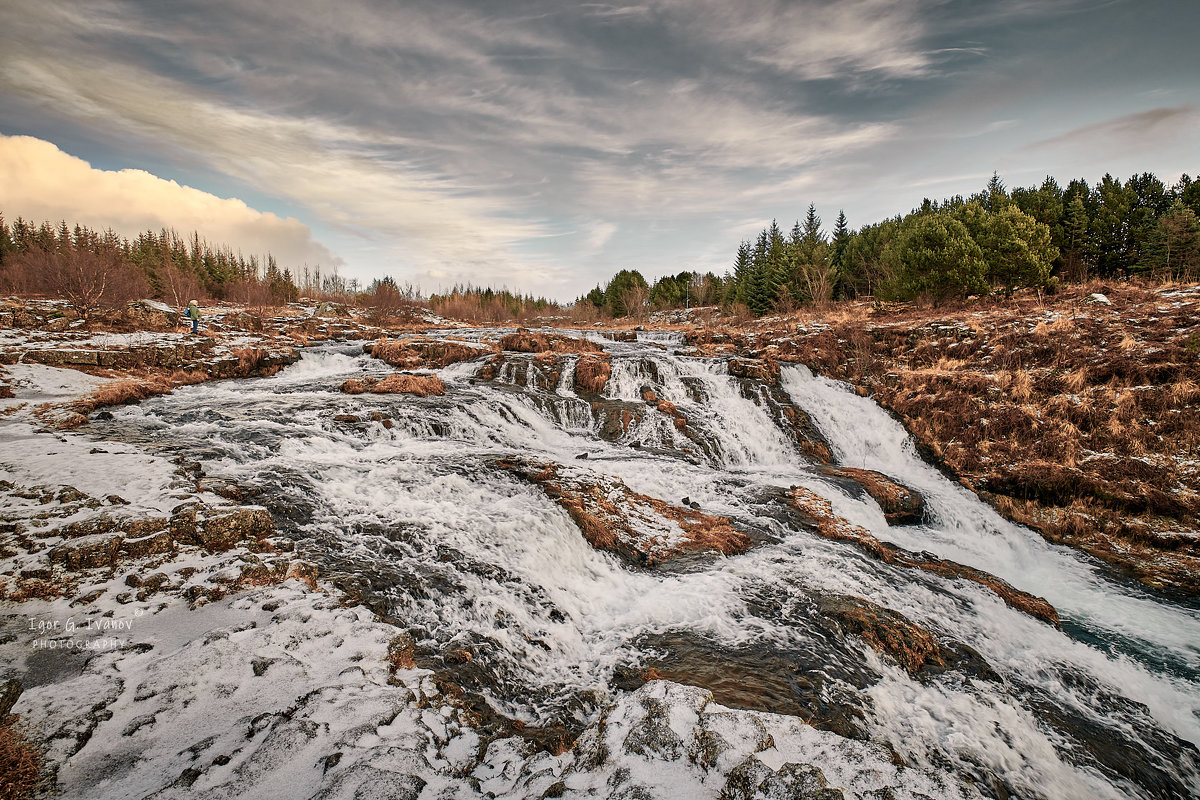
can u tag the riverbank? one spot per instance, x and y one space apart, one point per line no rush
1077 414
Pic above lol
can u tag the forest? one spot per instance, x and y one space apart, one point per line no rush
994 241
93 269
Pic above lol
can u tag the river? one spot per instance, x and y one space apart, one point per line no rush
418 519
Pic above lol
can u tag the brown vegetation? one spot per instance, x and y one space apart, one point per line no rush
19 762
527 341
397 383
132 390
418 353
592 374
888 632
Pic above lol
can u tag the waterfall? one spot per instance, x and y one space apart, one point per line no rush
465 554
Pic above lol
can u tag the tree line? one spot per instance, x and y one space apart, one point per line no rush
994 241
93 269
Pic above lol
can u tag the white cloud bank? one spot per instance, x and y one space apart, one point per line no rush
40 182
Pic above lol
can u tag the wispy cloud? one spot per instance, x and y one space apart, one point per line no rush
1130 130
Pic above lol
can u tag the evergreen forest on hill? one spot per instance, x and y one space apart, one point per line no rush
996 240
93 269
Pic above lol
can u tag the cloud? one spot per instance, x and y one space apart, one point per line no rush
1130 130
466 140
40 182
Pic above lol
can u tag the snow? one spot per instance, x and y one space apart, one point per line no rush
36 383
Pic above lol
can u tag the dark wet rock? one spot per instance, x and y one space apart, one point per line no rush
10 692
820 682
900 504
617 417
754 780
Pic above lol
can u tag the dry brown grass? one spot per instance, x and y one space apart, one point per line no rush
420 385
135 389
592 374
526 341
418 353
20 764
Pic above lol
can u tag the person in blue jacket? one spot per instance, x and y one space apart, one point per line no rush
193 313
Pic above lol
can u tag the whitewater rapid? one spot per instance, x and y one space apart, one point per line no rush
462 554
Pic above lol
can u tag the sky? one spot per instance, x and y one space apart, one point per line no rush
543 145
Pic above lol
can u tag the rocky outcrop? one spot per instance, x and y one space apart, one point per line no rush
642 530
759 369
754 780
527 341
591 374
900 504
93 551
398 383
421 353
817 513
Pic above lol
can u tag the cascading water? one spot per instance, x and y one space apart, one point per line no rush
467 556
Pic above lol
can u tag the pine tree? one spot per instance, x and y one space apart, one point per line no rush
841 238
995 196
1172 250
1076 251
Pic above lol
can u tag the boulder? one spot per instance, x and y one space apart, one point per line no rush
759 369
10 691
754 780
153 314
151 545
900 505
223 529
92 551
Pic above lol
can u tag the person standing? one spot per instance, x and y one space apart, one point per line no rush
193 313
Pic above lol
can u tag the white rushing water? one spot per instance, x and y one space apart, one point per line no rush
465 554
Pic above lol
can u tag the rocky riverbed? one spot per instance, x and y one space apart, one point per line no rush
510 563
